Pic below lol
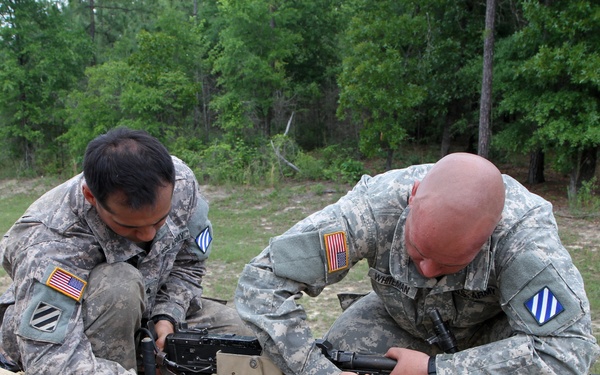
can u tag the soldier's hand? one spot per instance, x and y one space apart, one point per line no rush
409 361
162 329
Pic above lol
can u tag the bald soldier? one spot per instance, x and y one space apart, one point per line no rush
456 236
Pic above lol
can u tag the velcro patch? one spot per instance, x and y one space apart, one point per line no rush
48 315
66 283
45 317
336 250
203 240
544 306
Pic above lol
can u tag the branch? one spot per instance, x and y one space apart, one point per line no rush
283 159
287 128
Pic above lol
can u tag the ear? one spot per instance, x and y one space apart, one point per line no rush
87 194
413 191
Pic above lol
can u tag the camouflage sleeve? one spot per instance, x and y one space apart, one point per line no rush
268 304
73 356
180 295
47 318
297 262
543 296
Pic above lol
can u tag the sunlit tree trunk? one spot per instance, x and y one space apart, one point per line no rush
485 111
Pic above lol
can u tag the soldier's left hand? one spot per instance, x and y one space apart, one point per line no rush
162 329
409 361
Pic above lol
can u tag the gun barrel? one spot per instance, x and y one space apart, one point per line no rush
148 356
373 362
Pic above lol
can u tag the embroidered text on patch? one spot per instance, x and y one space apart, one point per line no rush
45 317
336 251
544 306
66 283
204 239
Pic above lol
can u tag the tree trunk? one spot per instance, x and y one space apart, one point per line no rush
92 20
451 118
485 109
445 149
536 167
584 169
388 159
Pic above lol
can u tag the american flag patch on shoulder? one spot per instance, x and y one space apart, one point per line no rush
66 283
336 250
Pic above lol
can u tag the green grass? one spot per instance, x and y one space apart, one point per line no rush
244 219
12 208
16 196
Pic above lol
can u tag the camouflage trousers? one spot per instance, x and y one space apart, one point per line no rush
112 313
365 326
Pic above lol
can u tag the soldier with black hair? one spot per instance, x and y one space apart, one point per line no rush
93 259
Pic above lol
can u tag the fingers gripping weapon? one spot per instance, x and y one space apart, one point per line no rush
359 363
194 351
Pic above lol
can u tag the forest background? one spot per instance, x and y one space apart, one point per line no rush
279 106
256 91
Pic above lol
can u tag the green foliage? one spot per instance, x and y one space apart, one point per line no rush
251 57
271 57
310 167
340 165
408 70
154 89
43 57
586 199
350 171
549 80
403 72
237 163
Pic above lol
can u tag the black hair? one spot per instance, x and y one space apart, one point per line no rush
128 161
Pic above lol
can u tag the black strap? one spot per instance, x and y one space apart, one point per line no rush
431 366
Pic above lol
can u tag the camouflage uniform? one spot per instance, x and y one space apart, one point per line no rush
493 306
79 290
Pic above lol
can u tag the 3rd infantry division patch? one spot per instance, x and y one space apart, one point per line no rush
544 306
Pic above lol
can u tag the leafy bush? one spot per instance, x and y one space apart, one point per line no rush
235 162
310 167
351 170
586 201
341 165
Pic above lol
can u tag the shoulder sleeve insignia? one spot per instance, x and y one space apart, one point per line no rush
45 317
544 306
336 250
66 283
203 240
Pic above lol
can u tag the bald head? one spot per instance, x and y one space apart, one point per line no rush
455 208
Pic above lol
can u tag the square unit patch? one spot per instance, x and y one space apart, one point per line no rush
544 306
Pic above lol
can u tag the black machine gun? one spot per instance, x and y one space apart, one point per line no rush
194 351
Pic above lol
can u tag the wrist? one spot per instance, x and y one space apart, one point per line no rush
168 318
431 366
